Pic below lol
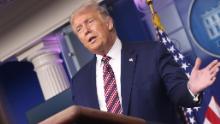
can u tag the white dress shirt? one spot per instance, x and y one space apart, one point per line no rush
115 62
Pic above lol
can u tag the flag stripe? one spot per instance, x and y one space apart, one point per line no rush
214 107
206 121
212 117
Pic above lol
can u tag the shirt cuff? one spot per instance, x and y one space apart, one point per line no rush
195 96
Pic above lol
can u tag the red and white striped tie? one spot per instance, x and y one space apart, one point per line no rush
111 94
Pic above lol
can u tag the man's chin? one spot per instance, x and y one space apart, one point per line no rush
96 51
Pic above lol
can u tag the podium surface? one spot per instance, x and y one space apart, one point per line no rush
83 115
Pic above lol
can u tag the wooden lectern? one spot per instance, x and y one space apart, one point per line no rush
82 115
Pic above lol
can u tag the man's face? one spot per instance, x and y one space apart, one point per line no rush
92 29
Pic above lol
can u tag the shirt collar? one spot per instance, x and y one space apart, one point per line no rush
114 52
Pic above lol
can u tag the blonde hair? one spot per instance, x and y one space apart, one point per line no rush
88 5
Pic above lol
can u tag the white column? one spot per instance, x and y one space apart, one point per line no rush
48 66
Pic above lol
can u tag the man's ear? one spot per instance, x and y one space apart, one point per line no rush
110 23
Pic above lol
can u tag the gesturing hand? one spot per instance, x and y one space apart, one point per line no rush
202 78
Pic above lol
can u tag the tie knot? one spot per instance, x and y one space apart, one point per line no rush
106 59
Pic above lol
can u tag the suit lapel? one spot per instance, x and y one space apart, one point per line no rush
91 87
128 62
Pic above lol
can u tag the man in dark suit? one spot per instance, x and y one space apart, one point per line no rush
139 80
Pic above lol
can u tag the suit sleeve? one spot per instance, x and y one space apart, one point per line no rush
73 91
174 79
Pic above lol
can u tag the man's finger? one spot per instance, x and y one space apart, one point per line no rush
212 64
197 63
214 73
215 69
212 80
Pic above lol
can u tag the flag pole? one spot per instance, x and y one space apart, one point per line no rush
155 16
150 4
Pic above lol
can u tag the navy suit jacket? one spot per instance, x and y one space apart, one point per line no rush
152 85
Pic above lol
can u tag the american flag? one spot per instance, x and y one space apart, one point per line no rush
212 114
190 113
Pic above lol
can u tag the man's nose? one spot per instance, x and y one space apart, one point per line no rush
87 30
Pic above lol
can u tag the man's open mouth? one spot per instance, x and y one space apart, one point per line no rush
92 39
